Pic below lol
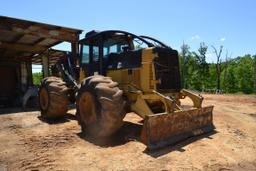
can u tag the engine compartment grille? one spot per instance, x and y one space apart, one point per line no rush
167 69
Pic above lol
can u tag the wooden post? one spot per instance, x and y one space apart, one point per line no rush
74 53
75 49
45 62
30 75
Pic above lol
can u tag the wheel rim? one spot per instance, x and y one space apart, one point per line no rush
44 99
87 107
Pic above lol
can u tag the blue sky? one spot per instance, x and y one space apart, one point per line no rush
231 23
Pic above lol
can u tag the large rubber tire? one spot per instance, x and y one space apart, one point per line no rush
53 97
100 106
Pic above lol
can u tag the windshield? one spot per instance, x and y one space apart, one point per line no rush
113 45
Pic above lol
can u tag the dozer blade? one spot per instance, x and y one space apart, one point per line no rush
160 130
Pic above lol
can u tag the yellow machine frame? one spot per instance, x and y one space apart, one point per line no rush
173 122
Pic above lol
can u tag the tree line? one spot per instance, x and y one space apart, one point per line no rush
227 74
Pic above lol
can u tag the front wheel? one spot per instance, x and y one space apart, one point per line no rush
100 106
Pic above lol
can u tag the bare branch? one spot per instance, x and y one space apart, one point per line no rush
215 50
218 64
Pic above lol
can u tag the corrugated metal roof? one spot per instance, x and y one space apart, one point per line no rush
24 40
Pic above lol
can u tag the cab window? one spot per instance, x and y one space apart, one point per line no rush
95 52
113 48
85 54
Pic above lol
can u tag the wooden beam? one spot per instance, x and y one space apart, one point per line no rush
38 31
17 38
24 58
22 47
38 41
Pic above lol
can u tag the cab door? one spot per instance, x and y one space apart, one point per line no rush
91 60
85 61
94 60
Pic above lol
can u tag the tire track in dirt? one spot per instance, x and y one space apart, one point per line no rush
41 145
29 143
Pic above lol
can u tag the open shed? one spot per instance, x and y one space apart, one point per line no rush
23 43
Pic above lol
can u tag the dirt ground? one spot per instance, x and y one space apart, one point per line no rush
28 142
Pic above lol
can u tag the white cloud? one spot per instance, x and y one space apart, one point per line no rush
223 39
195 37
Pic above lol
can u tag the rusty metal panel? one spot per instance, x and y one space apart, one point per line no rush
163 129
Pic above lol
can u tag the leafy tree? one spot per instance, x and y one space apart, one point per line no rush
225 66
245 74
203 68
37 77
211 83
231 80
184 64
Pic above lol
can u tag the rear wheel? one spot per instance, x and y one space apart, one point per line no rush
53 97
100 106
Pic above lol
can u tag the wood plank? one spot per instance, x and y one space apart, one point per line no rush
22 47
43 33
